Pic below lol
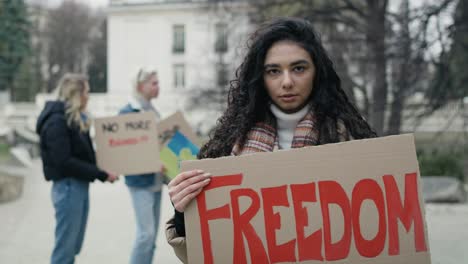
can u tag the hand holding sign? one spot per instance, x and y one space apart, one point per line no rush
351 202
112 177
186 186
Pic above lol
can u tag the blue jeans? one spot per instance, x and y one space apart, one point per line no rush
71 203
146 204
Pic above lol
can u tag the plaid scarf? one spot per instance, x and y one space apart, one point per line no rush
263 137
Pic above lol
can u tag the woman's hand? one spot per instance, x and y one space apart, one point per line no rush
186 186
111 177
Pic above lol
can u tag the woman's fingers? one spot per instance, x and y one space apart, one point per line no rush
185 179
182 204
187 186
183 176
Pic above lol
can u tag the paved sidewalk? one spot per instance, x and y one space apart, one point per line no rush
27 224
447 226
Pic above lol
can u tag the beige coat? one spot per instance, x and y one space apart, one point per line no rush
177 242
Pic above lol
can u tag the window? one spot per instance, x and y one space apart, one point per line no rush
178 42
221 44
222 74
179 76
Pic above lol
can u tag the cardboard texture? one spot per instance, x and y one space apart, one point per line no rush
128 144
176 122
178 143
178 149
352 202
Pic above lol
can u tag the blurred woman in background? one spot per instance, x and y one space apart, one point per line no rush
69 162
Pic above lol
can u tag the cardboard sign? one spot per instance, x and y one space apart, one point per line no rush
128 144
353 202
176 122
178 149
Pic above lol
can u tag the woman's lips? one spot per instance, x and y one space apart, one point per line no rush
288 98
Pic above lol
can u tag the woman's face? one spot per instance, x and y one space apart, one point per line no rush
84 97
150 88
288 75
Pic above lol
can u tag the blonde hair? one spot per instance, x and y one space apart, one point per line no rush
143 75
70 89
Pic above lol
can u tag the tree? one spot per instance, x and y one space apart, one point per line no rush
68 34
14 41
445 82
97 69
26 83
29 79
458 55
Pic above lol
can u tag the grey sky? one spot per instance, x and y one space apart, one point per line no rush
101 3
92 3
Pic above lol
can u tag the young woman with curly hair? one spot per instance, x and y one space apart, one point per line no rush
286 94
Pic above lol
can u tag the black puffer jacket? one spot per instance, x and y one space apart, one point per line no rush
65 151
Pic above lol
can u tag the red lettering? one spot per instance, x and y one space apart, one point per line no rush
368 189
276 196
391 208
331 192
242 227
216 213
122 142
408 213
310 248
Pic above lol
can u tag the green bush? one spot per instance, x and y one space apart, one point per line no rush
4 152
441 163
4 149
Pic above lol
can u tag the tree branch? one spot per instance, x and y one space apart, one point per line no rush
352 7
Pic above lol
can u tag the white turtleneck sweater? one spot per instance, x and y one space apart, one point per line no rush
286 124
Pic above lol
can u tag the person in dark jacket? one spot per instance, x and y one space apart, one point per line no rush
69 162
145 189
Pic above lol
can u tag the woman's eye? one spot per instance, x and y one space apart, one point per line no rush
299 69
272 71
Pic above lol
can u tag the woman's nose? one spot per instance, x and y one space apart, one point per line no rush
287 81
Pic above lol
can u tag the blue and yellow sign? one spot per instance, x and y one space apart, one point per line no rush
178 149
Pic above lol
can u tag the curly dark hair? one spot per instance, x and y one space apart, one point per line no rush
248 100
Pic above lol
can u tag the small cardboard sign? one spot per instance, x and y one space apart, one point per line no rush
176 122
178 142
128 144
178 149
351 202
